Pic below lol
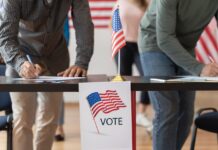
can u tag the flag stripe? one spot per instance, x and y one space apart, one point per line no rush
108 102
206 49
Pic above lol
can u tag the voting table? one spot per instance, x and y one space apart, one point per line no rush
138 83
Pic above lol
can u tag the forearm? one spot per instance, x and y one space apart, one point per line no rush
9 45
167 38
84 32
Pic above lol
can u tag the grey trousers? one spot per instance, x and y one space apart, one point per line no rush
41 108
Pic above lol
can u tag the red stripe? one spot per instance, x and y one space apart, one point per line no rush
98 18
116 50
205 46
101 26
101 8
96 26
120 40
101 17
199 57
102 1
211 37
201 40
115 43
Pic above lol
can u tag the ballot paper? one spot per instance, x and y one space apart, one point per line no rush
186 79
50 78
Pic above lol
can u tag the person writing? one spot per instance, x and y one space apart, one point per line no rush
35 28
168 35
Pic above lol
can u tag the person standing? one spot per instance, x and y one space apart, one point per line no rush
168 35
34 29
129 54
59 134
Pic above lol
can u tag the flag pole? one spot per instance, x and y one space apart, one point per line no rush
118 77
95 124
118 63
117 44
94 121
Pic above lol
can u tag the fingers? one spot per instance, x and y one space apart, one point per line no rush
38 69
210 70
73 71
28 70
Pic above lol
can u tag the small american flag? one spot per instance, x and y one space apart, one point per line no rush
207 48
101 13
118 38
105 102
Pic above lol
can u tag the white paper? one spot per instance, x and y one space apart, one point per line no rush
50 78
187 79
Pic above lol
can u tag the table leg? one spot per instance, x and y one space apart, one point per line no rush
133 105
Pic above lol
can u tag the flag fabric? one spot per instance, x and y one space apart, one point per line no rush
207 49
101 13
118 38
106 102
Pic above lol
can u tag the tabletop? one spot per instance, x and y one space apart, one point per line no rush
138 83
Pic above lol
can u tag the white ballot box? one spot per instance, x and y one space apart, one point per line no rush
105 116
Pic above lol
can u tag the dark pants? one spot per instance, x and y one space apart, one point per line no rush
129 55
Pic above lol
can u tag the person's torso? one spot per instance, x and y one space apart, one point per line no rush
130 15
41 25
192 17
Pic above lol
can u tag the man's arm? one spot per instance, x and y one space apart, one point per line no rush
84 32
84 38
9 24
167 40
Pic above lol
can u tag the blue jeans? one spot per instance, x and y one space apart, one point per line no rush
173 109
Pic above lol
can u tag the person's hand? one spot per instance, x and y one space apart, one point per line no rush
73 71
210 70
30 71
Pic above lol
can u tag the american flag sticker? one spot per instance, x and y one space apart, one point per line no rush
105 115
106 102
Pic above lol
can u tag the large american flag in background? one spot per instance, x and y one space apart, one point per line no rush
106 102
101 11
207 46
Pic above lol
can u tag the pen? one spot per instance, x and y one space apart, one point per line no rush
29 59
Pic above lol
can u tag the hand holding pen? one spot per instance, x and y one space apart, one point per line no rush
30 70
210 70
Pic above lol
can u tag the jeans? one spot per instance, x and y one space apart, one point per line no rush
173 109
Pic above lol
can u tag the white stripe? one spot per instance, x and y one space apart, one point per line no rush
101 22
116 48
116 39
202 53
115 45
102 4
101 13
96 22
